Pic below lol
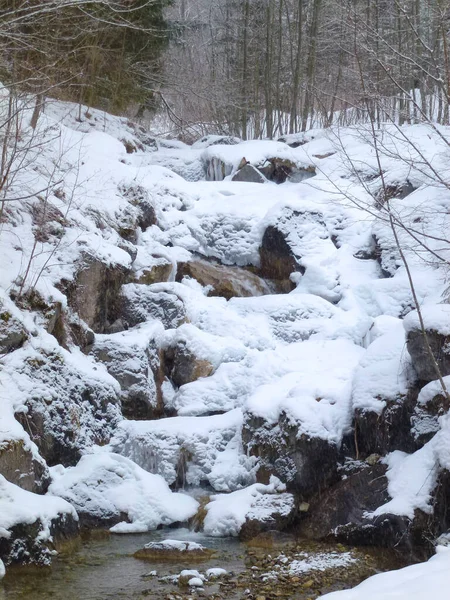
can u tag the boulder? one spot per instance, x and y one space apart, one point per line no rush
436 320
138 196
19 465
94 293
12 333
389 430
129 364
347 502
269 512
67 405
226 282
277 258
157 273
140 304
307 465
249 173
174 551
398 190
182 366
32 527
279 170
432 404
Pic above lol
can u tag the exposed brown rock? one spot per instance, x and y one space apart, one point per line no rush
227 282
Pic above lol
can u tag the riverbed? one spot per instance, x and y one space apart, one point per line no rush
102 567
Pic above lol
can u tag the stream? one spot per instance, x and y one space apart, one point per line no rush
102 567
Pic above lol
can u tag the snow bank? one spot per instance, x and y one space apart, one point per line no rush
104 486
425 581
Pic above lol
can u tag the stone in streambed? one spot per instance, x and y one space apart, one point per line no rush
174 551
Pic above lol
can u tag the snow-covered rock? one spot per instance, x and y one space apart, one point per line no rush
249 511
111 490
32 525
189 450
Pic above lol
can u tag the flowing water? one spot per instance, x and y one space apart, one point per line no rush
102 567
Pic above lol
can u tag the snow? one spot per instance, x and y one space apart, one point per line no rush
195 582
424 581
105 486
385 372
2 570
435 318
215 573
174 545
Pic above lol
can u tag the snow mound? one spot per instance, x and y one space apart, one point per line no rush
104 486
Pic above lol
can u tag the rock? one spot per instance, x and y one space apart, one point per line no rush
32 527
66 407
182 366
94 293
279 170
81 335
269 511
421 359
277 259
139 304
129 364
380 433
19 465
432 404
174 551
394 190
226 282
306 465
157 273
138 196
249 173
12 333
346 503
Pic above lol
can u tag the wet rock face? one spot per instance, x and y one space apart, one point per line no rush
19 466
140 304
95 294
307 465
182 366
277 258
421 359
12 333
25 546
391 430
347 502
271 512
130 367
226 282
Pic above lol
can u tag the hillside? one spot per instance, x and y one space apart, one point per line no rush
228 319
